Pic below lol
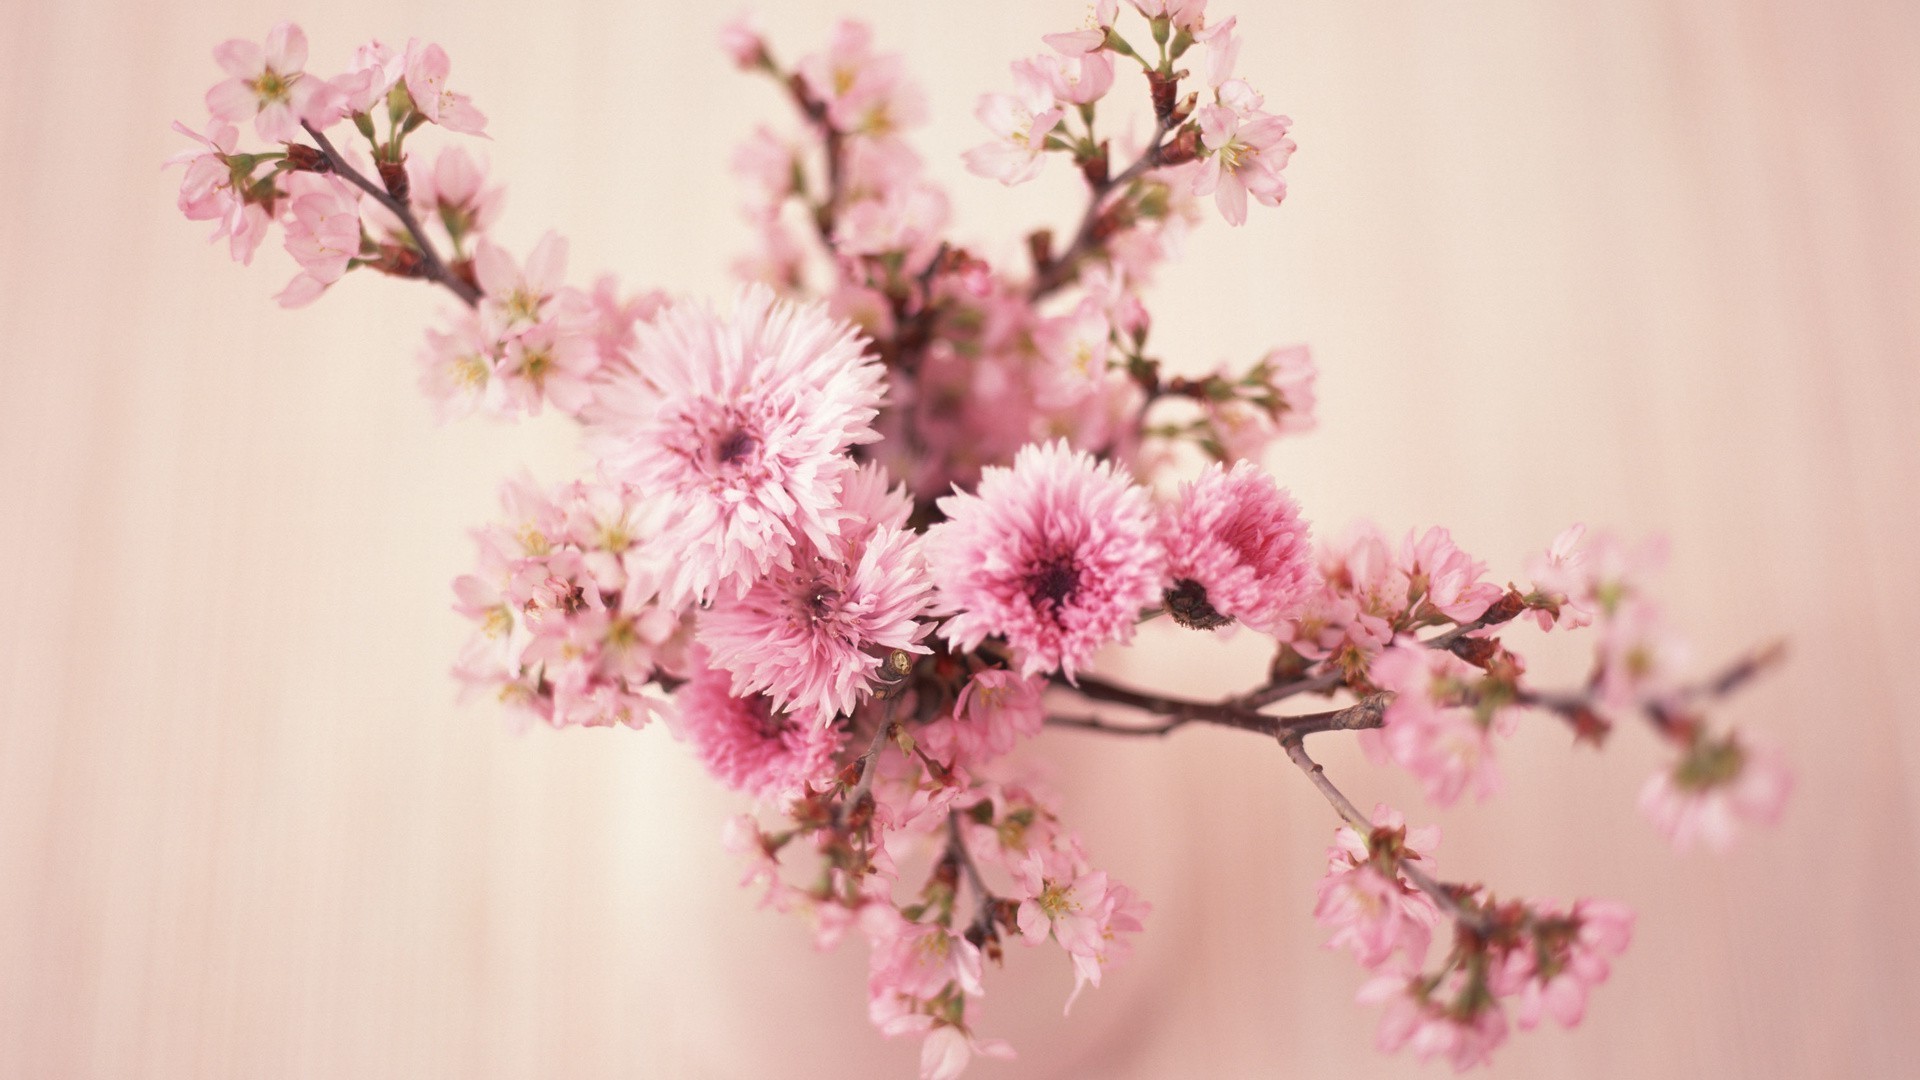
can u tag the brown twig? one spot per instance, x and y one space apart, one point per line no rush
985 900
432 267
864 785
1364 713
1059 270
1443 896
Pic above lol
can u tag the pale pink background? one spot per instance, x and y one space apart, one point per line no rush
1652 264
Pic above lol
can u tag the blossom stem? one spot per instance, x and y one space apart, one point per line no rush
1297 750
1061 269
432 268
983 896
1325 682
864 785
1364 713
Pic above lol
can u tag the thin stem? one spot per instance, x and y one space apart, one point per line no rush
1297 750
1059 270
1325 682
432 268
1366 713
1181 709
1579 707
983 896
864 784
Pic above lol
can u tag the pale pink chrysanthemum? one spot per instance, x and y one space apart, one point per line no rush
1056 554
813 636
746 742
1236 549
744 424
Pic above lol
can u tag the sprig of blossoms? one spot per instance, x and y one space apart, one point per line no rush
860 537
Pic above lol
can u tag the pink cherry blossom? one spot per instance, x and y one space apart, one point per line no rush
1020 122
212 189
1564 957
1368 903
1244 156
1555 573
1426 1020
323 233
267 86
1076 347
569 627
746 425
995 710
457 364
375 68
518 294
864 92
906 219
1639 659
1223 51
1056 555
1077 79
1236 549
1447 578
768 164
1188 15
425 75
1079 908
913 962
1430 729
1717 784
546 362
455 190
742 41
948 1049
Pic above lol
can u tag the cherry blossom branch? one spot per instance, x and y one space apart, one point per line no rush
431 268
985 900
864 785
1366 713
1580 708
1325 682
1180 710
1059 270
1297 750
1501 611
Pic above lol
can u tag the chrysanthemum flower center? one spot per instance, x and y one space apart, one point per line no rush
820 600
735 447
1054 581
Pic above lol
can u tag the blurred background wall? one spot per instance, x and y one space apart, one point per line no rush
1648 264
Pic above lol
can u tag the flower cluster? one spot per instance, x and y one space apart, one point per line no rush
566 605
1540 956
858 537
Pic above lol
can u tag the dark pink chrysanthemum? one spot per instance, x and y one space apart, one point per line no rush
745 742
811 637
744 426
1056 554
1236 549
